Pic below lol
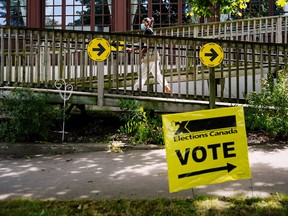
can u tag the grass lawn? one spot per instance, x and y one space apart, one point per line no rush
200 205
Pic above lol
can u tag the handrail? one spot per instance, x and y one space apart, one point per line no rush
272 29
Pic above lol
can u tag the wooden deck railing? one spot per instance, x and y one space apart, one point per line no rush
37 58
261 29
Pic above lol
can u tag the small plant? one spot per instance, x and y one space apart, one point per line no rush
268 111
26 116
116 147
139 123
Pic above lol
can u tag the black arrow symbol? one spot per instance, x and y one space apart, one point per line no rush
229 168
213 53
101 49
115 44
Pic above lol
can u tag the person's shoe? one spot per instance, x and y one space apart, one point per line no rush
167 89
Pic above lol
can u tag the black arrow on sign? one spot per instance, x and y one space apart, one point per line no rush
101 49
229 168
115 44
213 54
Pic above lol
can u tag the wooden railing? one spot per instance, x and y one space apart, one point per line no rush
37 58
261 29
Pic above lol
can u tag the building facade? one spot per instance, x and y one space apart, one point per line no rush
104 15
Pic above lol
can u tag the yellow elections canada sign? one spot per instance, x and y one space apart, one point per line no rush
205 147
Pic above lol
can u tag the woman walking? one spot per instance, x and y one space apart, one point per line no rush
150 57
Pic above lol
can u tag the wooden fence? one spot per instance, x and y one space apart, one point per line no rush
261 29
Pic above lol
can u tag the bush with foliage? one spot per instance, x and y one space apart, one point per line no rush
26 116
269 108
140 124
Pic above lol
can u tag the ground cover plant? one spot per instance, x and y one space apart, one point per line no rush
26 116
199 205
268 109
140 124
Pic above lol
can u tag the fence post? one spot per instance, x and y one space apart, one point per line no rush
279 30
212 88
100 88
2 61
195 31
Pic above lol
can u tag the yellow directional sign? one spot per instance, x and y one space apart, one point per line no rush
211 54
205 147
98 49
117 45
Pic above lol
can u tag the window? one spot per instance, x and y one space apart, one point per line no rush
261 8
103 11
3 12
13 13
53 11
139 10
79 14
165 12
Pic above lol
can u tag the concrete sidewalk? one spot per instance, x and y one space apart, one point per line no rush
132 174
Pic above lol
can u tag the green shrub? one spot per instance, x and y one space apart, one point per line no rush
139 123
26 116
268 111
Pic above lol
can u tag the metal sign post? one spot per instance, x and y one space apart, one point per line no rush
65 91
99 49
212 88
211 55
